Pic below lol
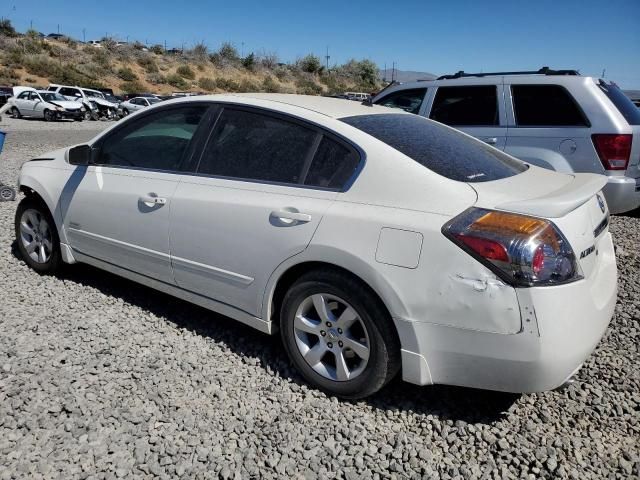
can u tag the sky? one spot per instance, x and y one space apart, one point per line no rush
433 36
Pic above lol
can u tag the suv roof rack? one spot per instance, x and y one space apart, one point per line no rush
542 71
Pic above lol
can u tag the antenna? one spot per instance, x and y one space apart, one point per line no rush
603 71
327 57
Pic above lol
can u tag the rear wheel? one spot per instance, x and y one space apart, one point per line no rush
37 236
15 113
339 335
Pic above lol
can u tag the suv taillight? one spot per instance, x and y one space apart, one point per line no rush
614 150
523 251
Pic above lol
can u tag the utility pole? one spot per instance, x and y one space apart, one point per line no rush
84 35
58 29
165 46
327 57
31 25
393 71
603 71
384 77
242 50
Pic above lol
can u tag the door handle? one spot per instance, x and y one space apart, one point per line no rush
289 216
490 140
153 200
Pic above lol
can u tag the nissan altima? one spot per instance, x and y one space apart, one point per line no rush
375 241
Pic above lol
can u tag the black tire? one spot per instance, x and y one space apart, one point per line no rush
7 194
15 113
384 347
48 116
125 112
54 262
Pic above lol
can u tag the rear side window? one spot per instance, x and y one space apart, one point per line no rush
407 100
546 106
333 165
253 146
466 106
441 149
625 106
157 141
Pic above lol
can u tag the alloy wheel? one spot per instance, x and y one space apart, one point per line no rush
36 236
331 337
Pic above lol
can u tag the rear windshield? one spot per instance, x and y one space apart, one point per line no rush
439 148
623 103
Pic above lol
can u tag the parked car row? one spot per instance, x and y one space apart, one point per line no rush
558 120
375 241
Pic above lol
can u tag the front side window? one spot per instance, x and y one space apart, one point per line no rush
466 106
254 146
156 141
546 106
407 100
443 150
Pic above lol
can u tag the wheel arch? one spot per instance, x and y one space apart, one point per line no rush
327 258
30 187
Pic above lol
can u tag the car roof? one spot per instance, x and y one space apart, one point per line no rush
331 107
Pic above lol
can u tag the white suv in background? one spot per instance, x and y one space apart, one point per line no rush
556 119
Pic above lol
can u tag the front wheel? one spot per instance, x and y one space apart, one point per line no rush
49 116
37 236
125 112
339 335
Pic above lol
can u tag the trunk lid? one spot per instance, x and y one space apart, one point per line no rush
574 203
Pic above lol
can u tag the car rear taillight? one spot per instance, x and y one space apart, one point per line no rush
521 250
614 150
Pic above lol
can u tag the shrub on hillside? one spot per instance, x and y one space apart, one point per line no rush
177 81
156 78
200 51
249 62
227 84
8 76
41 65
131 87
14 57
270 85
226 55
157 49
126 74
7 29
185 72
305 86
310 64
247 85
148 64
206 83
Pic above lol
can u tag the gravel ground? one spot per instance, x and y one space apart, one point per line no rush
103 378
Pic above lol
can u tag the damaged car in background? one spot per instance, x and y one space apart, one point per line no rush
94 101
375 241
29 102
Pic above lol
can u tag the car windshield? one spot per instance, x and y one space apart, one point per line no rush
90 93
52 97
439 148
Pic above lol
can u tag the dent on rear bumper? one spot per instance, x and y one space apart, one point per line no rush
561 327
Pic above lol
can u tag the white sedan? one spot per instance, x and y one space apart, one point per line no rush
375 241
29 102
136 103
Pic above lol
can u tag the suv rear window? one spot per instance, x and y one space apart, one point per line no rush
466 106
623 103
546 106
441 149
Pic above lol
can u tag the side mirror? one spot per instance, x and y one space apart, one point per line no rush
80 155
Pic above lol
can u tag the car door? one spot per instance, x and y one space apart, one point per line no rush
256 199
474 109
38 105
117 208
24 104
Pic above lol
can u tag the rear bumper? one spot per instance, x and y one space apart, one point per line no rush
561 326
622 193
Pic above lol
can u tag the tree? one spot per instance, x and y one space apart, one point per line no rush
310 64
249 62
7 29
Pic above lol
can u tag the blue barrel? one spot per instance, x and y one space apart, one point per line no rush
2 135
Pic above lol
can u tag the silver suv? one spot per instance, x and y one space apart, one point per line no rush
555 119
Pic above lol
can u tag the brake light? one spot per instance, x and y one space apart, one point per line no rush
521 250
614 150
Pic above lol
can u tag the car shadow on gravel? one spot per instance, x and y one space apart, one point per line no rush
457 404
